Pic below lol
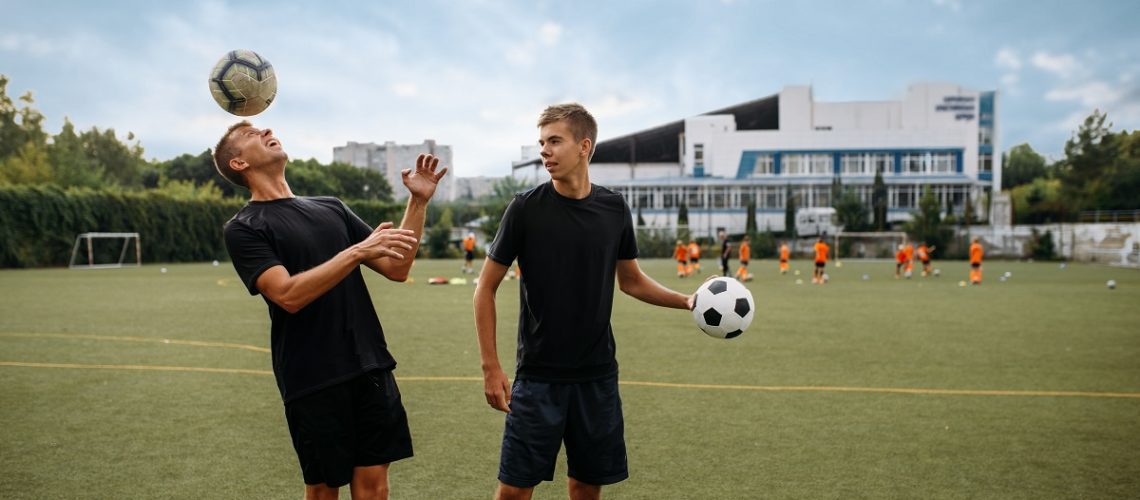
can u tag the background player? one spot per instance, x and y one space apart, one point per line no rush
785 253
469 253
682 255
745 256
694 257
821 250
976 254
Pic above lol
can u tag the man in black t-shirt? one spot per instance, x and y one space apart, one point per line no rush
330 359
571 237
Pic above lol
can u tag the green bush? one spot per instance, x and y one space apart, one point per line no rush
38 224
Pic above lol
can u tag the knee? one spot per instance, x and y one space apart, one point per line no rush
508 492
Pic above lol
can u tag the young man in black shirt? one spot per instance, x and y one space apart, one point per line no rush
571 237
331 362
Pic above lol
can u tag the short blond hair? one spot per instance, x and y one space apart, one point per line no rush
226 151
581 122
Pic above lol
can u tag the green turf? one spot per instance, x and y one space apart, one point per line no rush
115 433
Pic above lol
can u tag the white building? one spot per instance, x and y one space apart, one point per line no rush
938 135
390 158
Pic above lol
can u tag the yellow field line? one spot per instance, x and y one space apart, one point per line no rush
757 388
196 343
137 367
889 390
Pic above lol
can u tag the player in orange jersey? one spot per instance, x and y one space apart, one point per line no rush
785 253
924 252
694 257
821 250
909 249
682 255
745 256
468 253
976 253
900 261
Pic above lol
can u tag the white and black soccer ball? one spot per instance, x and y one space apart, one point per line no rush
1111 284
937 272
723 308
243 83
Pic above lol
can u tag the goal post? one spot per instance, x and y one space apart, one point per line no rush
867 245
91 253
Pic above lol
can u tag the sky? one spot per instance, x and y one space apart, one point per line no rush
475 74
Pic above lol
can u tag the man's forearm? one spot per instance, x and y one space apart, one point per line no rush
485 323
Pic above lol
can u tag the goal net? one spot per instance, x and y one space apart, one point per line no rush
869 245
105 251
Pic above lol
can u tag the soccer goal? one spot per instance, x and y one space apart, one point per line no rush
103 252
868 245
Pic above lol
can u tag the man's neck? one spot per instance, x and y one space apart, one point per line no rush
575 187
275 189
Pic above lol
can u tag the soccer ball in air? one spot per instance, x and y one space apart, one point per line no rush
723 308
1111 284
243 83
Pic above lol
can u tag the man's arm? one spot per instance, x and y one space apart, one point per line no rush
496 386
293 293
637 284
421 184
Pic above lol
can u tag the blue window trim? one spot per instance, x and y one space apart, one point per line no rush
748 158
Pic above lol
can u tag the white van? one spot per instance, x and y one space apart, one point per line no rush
817 221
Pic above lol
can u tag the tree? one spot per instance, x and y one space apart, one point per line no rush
851 211
750 219
439 237
69 162
1089 155
18 126
121 163
926 223
683 215
879 201
789 213
640 220
1022 166
502 193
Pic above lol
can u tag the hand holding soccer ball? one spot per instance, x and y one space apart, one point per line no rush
723 308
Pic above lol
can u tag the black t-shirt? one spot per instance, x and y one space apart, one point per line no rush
337 336
568 251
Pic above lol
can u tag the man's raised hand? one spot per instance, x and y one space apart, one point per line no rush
422 181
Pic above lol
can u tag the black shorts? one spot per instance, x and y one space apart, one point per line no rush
975 266
744 263
587 416
694 260
469 255
357 423
820 265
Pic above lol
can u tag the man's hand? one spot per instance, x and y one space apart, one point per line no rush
497 389
422 181
385 241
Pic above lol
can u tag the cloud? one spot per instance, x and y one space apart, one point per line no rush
1063 65
953 5
405 89
550 33
1007 58
1121 103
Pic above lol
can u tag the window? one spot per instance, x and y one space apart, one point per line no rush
985 136
668 198
914 163
854 163
719 197
985 162
795 164
821 196
698 155
745 197
904 197
883 162
821 164
763 165
695 198
773 197
943 163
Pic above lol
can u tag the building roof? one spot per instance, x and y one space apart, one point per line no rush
662 144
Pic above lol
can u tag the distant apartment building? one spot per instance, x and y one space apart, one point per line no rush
390 158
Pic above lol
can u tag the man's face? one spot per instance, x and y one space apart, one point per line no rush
258 147
561 154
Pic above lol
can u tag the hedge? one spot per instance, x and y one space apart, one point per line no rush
38 224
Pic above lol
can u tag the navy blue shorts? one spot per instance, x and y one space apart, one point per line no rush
358 423
586 416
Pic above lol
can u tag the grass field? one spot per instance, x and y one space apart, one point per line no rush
134 383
